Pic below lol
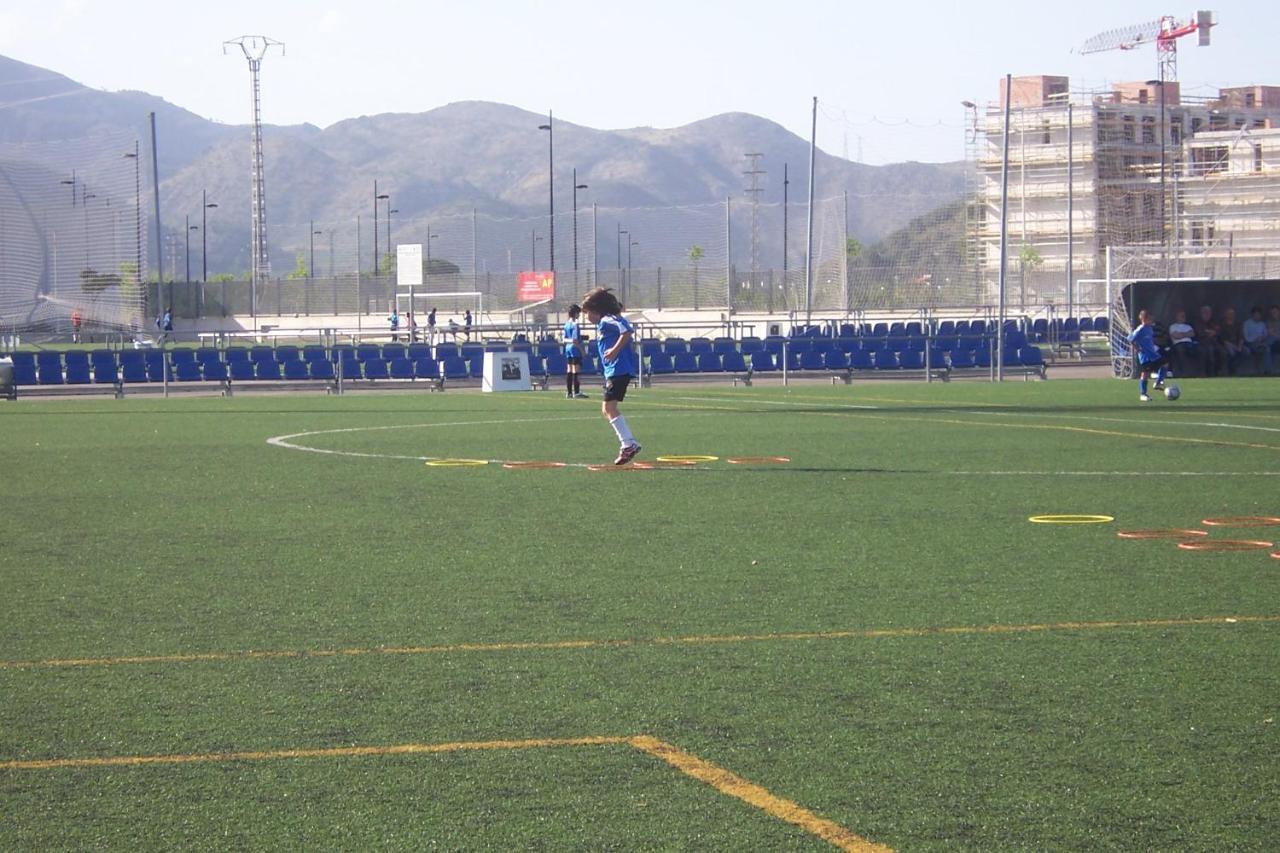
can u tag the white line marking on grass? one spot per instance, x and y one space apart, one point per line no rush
774 403
1144 422
1111 473
284 440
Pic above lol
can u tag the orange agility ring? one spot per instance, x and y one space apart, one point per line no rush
1162 533
667 464
758 460
1275 555
531 465
1225 545
1243 521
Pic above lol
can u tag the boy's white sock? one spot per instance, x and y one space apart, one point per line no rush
620 427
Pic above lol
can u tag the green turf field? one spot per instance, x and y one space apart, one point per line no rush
867 645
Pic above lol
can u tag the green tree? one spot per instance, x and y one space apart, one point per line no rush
1029 260
300 269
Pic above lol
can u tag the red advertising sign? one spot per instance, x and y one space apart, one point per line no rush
535 286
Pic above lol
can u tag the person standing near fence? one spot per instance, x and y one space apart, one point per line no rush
431 326
394 321
573 353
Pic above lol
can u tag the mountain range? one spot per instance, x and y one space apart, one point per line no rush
468 155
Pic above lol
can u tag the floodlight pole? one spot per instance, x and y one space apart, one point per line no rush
808 253
1004 228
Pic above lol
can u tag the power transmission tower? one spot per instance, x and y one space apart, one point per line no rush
255 48
753 192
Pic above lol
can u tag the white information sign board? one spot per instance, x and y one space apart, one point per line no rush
408 264
506 371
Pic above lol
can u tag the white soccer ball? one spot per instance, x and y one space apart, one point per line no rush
1172 392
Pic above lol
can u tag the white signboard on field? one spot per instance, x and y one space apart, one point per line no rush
408 264
506 371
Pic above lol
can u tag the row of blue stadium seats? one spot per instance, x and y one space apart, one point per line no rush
946 328
884 359
775 345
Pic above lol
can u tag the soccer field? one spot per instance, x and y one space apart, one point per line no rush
266 622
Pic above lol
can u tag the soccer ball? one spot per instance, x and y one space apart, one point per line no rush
1172 392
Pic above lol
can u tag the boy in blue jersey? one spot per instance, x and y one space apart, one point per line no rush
1150 358
618 359
573 354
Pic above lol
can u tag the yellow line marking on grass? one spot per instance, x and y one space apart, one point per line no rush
335 752
687 763
695 640
735 786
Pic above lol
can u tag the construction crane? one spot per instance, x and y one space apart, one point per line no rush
1165 32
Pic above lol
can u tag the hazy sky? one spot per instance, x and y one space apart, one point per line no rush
889 77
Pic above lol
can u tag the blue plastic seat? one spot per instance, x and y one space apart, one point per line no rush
78 374
673 346
207 355
660 364
751 345
911 360
443 351
349 368
215 371
49 374
762 362
537 367
886 359
823 345
546 348
241 371
1085 324
24 358
709 362
286 354
556 364
1101 325
982 357
368 352
962 328
455 368
879 331
937 358
376 368
102 358
76 358
268 370
733 362
976 327
417 351
390 352
1039 330
848 345
812 361
187 371
295 369
156 369
234 354
961 359
182 356
105 372
861 360
342 352
914 329
697 346
773 345
48 360
723 345
1030 357
792 360
685 362
259 355
795 346
426 368
946 329
476 363
835 360
322 370
133 371
495 346
1070 333
399 368
313 353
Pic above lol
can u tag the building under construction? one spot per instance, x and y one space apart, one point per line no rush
1187 186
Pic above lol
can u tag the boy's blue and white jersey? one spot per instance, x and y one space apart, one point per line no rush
1144 338
608 330
571 335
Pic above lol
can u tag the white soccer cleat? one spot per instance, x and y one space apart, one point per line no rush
1143 398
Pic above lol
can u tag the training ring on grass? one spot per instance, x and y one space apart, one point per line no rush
758 460
688 459
1242 521
1070 519
456 463
634 466
1225 545
532 465
1162 533
1275 555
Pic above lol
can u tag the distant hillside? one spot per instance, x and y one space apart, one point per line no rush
463 156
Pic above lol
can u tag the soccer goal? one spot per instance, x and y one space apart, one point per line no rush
451 305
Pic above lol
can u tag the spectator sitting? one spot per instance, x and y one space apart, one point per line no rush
1184 352
1212 353
1232 340
1273 329
1257 342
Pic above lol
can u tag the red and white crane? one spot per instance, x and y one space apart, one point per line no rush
1164 31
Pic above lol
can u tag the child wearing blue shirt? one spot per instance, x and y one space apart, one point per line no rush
1150 358
618 360
573 353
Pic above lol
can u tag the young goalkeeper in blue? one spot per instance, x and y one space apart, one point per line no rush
1150 358
618 359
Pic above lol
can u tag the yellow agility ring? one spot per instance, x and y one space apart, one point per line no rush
529 466
758 460
688 459
456 463
1070 519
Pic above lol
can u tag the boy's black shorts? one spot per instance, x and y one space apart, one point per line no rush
573 359
1153 365
615 388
